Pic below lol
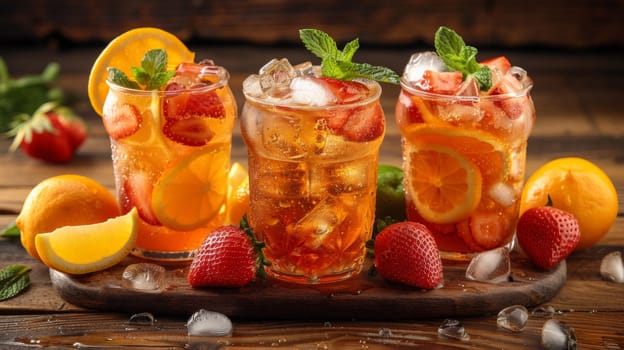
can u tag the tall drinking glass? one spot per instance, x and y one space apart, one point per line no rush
171 157
464 154
313 146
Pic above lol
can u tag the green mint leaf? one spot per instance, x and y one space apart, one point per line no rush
154 61
364 70
159 79
13 279
460 57
120 78
142 77
10 230
319 43
349 50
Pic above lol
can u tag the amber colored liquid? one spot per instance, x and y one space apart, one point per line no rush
312 193
140 159
492 223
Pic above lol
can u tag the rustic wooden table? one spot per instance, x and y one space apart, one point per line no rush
578 97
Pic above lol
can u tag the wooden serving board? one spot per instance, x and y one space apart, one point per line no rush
362 298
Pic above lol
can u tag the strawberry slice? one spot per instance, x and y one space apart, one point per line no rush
137 192
446 83
346 91
194 104
500 64
190 131
124 121
364 124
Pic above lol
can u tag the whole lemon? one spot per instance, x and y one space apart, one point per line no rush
63 200
579 187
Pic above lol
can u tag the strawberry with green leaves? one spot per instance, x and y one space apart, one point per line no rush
405 252
547 235
229 257
52 134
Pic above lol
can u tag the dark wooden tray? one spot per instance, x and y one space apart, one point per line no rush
362 298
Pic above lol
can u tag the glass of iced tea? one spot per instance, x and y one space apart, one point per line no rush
313 145
464 149
171 156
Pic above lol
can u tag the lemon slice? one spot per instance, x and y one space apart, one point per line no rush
444 186
88 248
191 192
126 51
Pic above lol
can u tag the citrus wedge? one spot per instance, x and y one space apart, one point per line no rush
485 151
237 199
191 192
126 51
82 249
444 186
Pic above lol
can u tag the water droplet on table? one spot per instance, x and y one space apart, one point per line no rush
612 267
544 311
557 335
145 277
492 266
453 329
143 318
513 318
209 323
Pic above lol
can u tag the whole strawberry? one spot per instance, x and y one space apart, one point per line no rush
228 257
547 235
406 252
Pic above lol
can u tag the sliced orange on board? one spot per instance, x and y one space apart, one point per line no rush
126 51
444 186
192 191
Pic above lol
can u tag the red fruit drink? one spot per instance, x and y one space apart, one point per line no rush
313 146
464 152
171 157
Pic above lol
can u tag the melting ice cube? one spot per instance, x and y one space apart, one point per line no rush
544 311
612 267
558 335
143 318
502 194
275 77
311 92
420 62
321 221
513 318
209 323
145 277
492 266
453 329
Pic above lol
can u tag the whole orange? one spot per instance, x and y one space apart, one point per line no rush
579 187
63 200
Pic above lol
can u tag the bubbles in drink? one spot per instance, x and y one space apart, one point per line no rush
420 62
558 335
145 277
209 323
513 318
612 267
453 329
275 77
492 266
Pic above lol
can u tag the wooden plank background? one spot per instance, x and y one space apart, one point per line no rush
578 24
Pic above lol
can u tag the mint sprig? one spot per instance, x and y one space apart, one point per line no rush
336 63
460 57
151 75
13 279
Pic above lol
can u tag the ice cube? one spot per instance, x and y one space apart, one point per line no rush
143 318
146 277
502 194
420 62
275 77
612 267
311 92
469 88
513 318
209 323
251 86
307 69
453 329
558 335
320 222
492 266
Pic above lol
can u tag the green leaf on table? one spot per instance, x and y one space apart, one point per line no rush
13 280
10 230
336 63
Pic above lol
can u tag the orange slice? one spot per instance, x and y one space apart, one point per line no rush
126 51
485 151
237 199
444 186
191 192
88 248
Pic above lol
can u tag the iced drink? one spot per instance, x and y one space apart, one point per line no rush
171 157
313 145
464 150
